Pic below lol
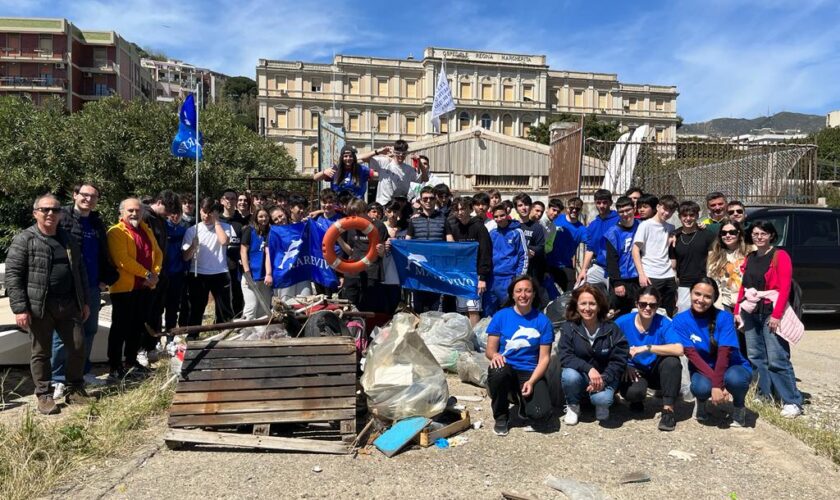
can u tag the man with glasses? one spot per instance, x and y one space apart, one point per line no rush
736 211
82 222
48 291
430 225
570 234
395 176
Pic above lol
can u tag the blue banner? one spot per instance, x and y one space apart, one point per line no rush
437 266
184 144
295 251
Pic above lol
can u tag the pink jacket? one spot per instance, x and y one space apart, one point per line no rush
777 278
790 326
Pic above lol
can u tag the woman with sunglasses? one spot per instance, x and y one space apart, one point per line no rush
769 269
718 369
724 263
348 174
654 357
593 354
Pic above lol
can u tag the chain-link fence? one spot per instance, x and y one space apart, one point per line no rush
753 173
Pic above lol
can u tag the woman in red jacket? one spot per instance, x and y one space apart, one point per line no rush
769 268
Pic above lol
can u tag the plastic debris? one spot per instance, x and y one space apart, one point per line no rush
470 399
575 490
317 469
446 335
477 424
441 443
472 368
682 455
458 440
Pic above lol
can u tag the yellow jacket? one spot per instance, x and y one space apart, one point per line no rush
124 254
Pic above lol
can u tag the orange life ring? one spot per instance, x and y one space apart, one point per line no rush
331 236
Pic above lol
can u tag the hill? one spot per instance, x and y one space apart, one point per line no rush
728 127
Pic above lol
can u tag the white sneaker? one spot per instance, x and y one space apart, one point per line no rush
602 413
143 359
788 411
700 412
59 390
90 379
572 412
739 417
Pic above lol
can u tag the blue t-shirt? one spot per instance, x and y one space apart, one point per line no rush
566 241
621 238
595 236
90 251
346 182
659 333
520 337
175 264
694 332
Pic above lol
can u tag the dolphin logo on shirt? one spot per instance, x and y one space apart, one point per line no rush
520 339
695 338
416 259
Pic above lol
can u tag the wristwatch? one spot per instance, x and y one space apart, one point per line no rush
148 275
649 348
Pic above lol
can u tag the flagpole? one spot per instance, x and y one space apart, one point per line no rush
197 215
448 153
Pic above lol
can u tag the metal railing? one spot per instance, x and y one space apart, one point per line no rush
30 82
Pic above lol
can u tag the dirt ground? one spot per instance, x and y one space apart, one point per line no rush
757 462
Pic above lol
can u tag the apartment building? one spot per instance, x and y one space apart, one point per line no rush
379 100
42 58
176 79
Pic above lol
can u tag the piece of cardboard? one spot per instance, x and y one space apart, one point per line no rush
400 434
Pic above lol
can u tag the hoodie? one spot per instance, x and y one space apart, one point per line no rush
595 236
474 230
510 251
608 353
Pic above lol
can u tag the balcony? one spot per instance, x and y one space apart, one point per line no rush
39 84
93 94
7 54
100 67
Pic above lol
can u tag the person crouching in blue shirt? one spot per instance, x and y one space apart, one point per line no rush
654 357
593 354
519 339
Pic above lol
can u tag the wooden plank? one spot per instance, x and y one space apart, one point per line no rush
262 418
264 394
428 438
349 378
348 430
257 373
262 352
218 364
255 441
294 342
261 406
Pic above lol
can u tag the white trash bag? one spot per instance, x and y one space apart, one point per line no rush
446 335
472 368
480 336
402 378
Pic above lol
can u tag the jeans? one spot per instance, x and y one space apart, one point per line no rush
89 328
665 374
61 315
506 382
770 354
736 380
574 386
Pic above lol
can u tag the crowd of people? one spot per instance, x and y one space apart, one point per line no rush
644 294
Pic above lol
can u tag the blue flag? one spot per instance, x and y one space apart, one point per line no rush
185 143
437 266
295 252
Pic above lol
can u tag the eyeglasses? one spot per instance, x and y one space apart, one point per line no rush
646 305
48 210
427 198
735 211
729 232
91 196
576 209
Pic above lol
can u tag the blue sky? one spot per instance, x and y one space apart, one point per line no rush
735 58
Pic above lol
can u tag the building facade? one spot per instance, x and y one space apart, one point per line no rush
379 100
832 119
176 79
43 58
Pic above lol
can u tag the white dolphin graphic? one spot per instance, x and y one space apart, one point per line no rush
416 259
520 339
291 253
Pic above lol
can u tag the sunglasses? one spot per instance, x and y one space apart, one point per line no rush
646 305
576 209
730 232
735 211
48 210
427 198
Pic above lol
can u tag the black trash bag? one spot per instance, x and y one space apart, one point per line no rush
556 310
324 324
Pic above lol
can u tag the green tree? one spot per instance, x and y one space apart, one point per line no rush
240 95
238 86
592 128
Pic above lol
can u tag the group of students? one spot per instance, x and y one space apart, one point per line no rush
715 291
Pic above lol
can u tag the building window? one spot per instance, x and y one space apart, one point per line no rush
354 86
632 103
528 92
602 100
578 98
487 91
660 106
316 85
526 128
313 120
382 124
281 83
314 157
354 123
507 93
382 86
660 135
281 122
466 90
411 126
100 57
411 88
520 181
507 125
45 44
463 121
444 125
486 121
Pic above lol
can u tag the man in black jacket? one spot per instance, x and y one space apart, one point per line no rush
464 227
82 222
429 225
47 285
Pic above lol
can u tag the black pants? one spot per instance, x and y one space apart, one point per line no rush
506 382
624 304
564 277
667 288
128 318
200 286
155 319
665 374
61 315
172 302
422 301
237 301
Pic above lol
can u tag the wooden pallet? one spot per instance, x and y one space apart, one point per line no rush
458 421
259 383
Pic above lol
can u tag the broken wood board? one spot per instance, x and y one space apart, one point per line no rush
461 422
254 441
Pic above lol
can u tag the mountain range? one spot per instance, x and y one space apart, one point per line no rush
728 127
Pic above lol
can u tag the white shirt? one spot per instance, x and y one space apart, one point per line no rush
211 256
394 178
652 239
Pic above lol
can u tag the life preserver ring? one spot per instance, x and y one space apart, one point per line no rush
331 236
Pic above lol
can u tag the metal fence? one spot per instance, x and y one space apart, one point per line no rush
753 173
564 173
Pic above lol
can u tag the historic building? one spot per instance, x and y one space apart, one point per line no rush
176 79
41 58
379 100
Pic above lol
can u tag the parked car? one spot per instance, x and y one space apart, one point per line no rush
811 236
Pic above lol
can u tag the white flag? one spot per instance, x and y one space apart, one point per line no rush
443 98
